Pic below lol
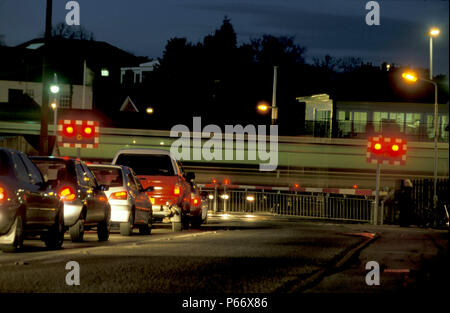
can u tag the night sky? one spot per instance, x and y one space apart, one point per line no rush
335 27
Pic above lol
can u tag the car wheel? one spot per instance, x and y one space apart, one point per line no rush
126 229
55 235
17 245
77 231
196 222
103 230
145 229
176 226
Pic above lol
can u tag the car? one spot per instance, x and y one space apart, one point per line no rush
199 207
86 205
27 205
130 205
172 187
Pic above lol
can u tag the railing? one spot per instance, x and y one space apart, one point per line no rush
303 205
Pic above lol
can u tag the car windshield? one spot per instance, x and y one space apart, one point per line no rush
4 163
54 171
147 164
111 177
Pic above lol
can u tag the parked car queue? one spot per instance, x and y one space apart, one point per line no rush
48 196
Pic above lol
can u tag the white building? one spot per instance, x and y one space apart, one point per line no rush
67 98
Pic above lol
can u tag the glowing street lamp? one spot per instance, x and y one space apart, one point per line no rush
412 77
434 32
54 89
263 107
150 110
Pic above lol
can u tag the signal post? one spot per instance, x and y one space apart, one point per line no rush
384 150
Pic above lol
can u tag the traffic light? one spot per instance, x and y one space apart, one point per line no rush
386 150
78 134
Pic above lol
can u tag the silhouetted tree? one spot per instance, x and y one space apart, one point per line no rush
71 32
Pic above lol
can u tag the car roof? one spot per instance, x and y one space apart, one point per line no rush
143 151
108 166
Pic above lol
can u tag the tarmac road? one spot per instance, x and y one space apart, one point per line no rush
237 254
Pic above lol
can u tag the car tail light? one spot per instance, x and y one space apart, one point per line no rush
2 194
67 193
195 201
176 190
120 195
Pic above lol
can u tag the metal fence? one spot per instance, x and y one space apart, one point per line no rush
303 205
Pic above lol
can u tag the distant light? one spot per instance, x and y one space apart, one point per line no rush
250 198
134 141
355 186
388 66
225 197
263 107
214 181
210 197
377 146
226 181
225 216
296 185
150 110
105 72
410 76
395 148
53 105
434 32
161 143
35 46
54 88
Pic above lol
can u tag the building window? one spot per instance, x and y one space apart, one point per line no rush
412 123
359 122
30 93
378 117
64 100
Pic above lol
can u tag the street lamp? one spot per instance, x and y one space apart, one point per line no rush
150 110
434 32
412 77
263 107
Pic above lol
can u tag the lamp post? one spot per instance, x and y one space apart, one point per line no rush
274 96
434 32
43 137
411 77
54 89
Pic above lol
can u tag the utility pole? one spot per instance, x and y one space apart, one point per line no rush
274 96
43 138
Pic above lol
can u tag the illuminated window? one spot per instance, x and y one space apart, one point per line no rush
359 122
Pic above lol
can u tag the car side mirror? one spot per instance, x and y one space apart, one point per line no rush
44 185
103 187
190 177
149 189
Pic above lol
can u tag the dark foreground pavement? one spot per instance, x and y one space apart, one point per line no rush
240 255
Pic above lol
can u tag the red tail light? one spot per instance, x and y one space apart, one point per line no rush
67 193
195 201
2 194
120 195
176 190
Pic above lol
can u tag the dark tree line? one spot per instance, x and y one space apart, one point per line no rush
223 81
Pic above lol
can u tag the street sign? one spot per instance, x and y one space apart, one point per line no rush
78 134
386 150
